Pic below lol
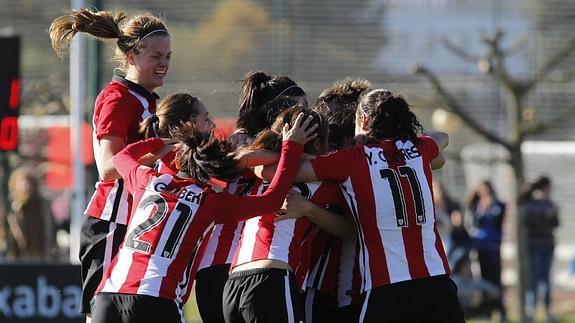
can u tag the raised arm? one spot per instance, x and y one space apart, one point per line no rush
241 208
305 174
334 166
251 158
127 161
442 140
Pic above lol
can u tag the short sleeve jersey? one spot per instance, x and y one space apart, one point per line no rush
334 268
172 217
387 186
224 238
289 240
118 111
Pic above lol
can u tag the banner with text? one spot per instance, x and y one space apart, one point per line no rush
40 293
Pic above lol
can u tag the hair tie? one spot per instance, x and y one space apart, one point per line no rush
155 121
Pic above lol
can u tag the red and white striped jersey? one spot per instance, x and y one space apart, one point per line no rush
334 267
166 165
288 240
224 238
324 261
348 273
387 186
173 215
119 109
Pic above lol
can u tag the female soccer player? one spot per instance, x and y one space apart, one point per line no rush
144 50
172 112
333 289
262 99
262 285
172 216
387 184
258 89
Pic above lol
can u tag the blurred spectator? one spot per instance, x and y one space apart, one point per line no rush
444 205
488 214
29 219
60 208
475 294
4 237
539 214
450 224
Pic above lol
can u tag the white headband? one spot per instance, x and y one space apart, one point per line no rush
288 88
148 34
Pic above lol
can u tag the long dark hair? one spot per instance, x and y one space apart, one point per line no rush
541 184
259 88
271 139
203 156
473 197
389 116
173 111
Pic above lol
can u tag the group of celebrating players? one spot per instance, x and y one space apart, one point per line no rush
306 213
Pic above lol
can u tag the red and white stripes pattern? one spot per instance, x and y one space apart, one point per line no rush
390 252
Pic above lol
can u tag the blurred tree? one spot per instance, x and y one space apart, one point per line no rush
232 32
555 21
522 120
554 14
328 35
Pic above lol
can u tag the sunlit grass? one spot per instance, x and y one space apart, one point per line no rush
191 311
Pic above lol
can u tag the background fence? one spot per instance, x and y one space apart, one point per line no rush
318 41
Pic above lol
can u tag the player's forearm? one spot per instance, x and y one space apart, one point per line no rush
334 224
252 158
440 138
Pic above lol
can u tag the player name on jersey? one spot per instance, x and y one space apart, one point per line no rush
400 155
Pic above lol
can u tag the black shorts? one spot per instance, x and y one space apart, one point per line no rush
262 295
320 307
210 284
100 241
349 313
124 308
430 300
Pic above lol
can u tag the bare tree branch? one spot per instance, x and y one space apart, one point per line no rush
459 51
455 108
516 47
555 60
539 127
496 58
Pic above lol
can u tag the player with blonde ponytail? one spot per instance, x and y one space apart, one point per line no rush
143 49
